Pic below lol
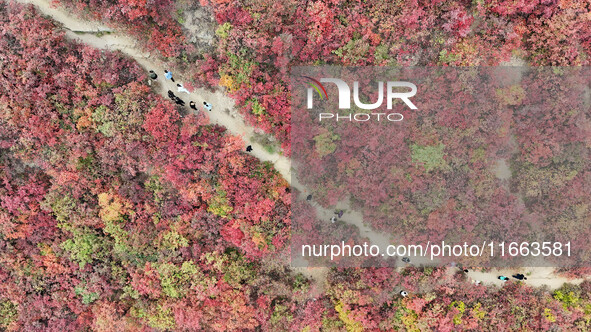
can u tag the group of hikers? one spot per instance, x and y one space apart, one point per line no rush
180 88
179 101
518 276
192 104
339 214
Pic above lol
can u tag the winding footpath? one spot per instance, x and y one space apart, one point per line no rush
86 33
99 35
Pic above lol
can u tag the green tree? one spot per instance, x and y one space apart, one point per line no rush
429 156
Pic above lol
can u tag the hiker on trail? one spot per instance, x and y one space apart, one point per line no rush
309 197
192 105
477 282
179 101
249 148
406 259
519 276
503 278
171 95
168 75
404 293
207 106
181 88
153 75
333 219
465 270
340 213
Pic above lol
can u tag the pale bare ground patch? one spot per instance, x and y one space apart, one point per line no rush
318 275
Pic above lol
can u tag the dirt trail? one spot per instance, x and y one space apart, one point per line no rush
86 32
536 276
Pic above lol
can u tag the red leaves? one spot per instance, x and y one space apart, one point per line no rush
231 232
21 214
511 7
459 22
134 8
160 123
167 42
554 33
86 126
146 282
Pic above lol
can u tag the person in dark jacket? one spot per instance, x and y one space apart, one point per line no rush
519 276
249 148
171 95
179 101
192 105
153 75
